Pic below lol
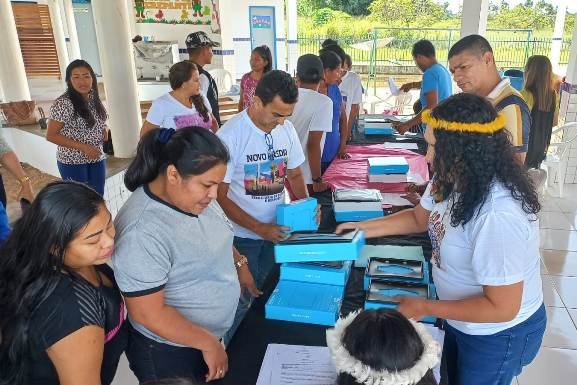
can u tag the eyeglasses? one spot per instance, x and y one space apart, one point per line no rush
270 144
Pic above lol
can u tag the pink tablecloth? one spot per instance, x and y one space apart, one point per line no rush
353 173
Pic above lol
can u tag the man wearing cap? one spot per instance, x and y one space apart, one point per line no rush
312 118
199 47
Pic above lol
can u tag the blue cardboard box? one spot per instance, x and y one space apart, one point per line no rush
305 302
381 294
357 204
396 269
388 165
316 273
298 215
379 130
306 247
357 216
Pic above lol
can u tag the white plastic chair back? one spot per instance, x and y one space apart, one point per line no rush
223 79
557 157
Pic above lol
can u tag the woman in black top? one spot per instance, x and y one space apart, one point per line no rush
62 314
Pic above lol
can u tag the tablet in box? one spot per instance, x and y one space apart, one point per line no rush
388 178
388 165
305 302
382 293
307 247
317 272
357 204
396 269
298 215
378 126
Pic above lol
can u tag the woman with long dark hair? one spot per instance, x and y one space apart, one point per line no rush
543 101
62 314
174 261
77 125
381 346
481 212
184 106
260 64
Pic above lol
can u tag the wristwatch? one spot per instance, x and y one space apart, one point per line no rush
318 180
241 262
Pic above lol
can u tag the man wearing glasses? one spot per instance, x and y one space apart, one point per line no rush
265 152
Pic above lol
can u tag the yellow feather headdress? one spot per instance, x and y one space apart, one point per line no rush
476 128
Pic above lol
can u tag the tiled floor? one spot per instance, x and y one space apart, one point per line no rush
556 363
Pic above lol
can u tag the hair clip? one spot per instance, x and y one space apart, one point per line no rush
164 135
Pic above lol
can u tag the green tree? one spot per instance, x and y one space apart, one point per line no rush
408 12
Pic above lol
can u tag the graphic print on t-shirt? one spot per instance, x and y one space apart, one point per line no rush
436 233
191 120
264 178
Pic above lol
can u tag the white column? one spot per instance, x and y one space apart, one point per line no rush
229 30
12 71
59 38
558 35
131 18
74 52
292 32
572 67
111 22
474 19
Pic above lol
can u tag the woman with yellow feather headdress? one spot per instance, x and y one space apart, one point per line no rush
481 213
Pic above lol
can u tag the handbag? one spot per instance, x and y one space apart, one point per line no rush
43 121
19 113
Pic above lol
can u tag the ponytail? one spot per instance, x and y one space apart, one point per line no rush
192 150
199 105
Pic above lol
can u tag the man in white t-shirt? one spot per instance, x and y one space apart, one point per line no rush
312 118
265 153
352 90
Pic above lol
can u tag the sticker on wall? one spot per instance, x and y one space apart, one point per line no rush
196 12
261 21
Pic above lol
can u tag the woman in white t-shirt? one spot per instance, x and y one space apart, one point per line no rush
184 106
481 213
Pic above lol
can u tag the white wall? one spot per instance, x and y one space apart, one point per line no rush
241 32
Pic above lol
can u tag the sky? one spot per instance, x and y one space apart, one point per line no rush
455 4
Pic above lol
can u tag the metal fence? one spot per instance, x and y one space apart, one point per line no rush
511 47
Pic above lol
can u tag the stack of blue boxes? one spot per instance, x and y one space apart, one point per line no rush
386 278
351 205
391 169
314 271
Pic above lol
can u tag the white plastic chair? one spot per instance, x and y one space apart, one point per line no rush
556 159
223 79
398 103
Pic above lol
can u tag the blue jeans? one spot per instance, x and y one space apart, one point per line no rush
492 359
92 174
260 255
151 360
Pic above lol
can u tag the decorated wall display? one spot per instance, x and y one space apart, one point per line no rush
196 12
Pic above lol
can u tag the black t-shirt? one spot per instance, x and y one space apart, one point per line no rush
74 304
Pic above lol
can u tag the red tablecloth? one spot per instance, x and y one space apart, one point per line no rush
353 172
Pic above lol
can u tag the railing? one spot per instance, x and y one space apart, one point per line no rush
511 47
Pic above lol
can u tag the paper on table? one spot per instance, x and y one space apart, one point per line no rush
297 365
395 199
413 253
404 146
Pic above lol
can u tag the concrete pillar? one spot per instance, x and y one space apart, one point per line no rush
59 38
228 20
74 45
474 19
111 22
568 108
292 31
12 71
557 39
